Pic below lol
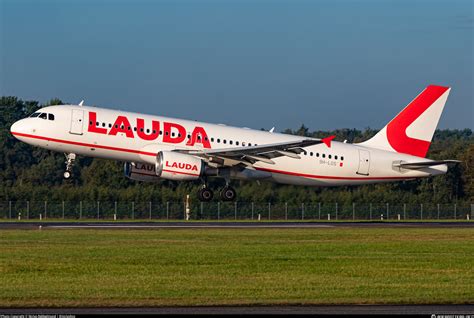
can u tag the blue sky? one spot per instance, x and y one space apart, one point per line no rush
327 64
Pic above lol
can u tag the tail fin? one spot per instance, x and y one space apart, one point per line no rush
412 129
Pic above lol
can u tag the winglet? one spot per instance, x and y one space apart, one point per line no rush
81 103
327 140
272 130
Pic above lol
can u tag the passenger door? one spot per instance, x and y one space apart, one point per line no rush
77 122
364 162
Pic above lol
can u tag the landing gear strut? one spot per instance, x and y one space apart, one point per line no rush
70 158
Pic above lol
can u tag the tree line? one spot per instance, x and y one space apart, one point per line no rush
31 173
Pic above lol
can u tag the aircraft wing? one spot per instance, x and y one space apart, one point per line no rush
251 154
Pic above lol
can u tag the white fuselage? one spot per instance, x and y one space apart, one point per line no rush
117 135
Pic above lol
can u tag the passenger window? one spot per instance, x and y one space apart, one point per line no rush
230 142
224 141
250 144
324 155
110 126
311 153
317 154
329 156
212 139
342 158
218 140
335 157
237 143
50 117
103 124
148 131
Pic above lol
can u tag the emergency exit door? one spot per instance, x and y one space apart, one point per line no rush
364 162
77 121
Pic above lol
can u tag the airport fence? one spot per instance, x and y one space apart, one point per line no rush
149 210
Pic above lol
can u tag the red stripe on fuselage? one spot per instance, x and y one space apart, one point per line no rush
313 176
62 141
297 174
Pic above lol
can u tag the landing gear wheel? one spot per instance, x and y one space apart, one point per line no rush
67 175
205 194
228 194
70 158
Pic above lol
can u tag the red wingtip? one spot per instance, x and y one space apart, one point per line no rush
327 140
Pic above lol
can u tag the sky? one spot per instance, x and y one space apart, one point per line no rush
260 64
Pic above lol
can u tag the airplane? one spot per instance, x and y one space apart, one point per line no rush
156 147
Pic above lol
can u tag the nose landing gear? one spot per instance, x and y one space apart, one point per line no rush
70 158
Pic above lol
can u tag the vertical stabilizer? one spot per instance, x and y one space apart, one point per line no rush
411 131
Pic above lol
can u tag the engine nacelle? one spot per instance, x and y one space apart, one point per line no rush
177 166
140 172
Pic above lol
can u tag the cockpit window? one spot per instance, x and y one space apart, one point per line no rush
34 115
50 117
42 116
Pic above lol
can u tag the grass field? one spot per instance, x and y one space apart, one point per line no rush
54 268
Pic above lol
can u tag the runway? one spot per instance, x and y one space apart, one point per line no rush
253 310
227 225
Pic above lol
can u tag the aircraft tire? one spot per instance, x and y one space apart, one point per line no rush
205 195
228 194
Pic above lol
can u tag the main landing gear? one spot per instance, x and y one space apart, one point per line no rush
205 194
226 194
70 158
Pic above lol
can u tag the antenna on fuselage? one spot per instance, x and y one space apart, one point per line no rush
81 103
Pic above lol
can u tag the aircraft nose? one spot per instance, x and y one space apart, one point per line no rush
18 128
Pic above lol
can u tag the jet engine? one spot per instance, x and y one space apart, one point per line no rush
177 166
169 165
140 172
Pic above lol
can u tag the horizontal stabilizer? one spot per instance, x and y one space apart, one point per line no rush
422 164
